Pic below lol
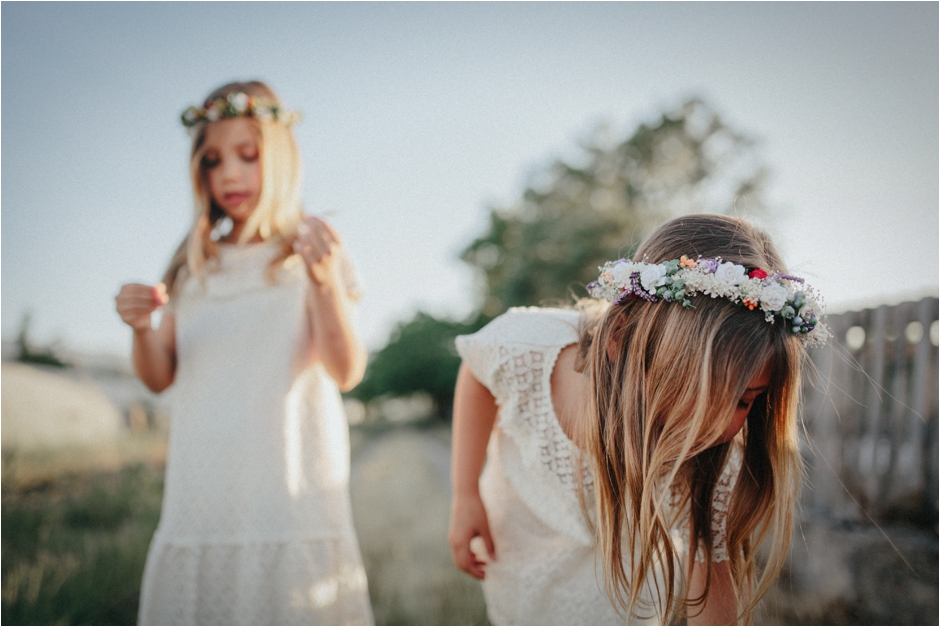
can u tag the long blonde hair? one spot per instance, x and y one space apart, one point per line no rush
665 383
279 211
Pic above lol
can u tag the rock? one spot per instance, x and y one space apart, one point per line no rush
42 410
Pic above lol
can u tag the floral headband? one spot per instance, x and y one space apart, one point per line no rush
238 104
779 296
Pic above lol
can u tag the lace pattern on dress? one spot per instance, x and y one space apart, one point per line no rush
527 374
514 357
721 501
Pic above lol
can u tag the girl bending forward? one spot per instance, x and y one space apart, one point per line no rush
638 453
257 340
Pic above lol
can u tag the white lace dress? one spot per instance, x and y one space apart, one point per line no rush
546 570
256 525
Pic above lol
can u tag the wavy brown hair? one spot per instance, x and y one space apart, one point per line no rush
665 382
278 213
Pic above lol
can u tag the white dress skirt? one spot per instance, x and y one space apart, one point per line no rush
256 525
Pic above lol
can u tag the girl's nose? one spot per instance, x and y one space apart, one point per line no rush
230 170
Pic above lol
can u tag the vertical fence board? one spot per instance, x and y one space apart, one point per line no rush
871 416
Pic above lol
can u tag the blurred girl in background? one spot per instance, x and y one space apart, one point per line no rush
638 451
257 340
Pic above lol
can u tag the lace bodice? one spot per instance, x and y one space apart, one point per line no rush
530 482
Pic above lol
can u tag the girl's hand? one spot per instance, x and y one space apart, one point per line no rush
468 521
317 243
135 302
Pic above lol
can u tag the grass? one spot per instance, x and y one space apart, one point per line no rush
74 547
401 503
76 528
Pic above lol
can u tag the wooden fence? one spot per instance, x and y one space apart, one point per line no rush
871 417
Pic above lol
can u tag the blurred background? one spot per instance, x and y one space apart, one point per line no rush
473 157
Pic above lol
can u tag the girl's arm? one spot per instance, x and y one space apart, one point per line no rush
720 607
474 416
335 341
154 351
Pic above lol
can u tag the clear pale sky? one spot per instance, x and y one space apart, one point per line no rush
418 117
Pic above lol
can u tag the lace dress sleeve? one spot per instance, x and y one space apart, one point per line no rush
481 353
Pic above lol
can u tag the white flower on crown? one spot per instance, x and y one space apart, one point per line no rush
239 101
730 273
773 297
212 114
726 280
652 276
621 272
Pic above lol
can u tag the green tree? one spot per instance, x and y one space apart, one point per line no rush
419 357
572 218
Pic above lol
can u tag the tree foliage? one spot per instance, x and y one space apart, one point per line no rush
574 217
571 219
419 357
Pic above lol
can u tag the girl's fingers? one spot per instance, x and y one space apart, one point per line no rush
311 252
314 247
313 224
466 561
158 293
135 302
321 234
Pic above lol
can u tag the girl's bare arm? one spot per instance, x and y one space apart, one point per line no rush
474 416
154 351
336 344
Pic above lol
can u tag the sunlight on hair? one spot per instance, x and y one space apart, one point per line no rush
855 338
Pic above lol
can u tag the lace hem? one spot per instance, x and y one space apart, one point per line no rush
274 583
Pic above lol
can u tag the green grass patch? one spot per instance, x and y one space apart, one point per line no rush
74 547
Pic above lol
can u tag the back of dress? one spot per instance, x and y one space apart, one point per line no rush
547 570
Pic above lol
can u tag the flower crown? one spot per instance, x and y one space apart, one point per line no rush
779 296
238 104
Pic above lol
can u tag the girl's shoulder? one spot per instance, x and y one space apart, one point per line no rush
529 334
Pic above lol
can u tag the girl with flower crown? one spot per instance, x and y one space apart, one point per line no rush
626 461
257 341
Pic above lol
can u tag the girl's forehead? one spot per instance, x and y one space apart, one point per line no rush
232 131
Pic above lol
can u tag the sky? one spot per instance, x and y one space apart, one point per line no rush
419 118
